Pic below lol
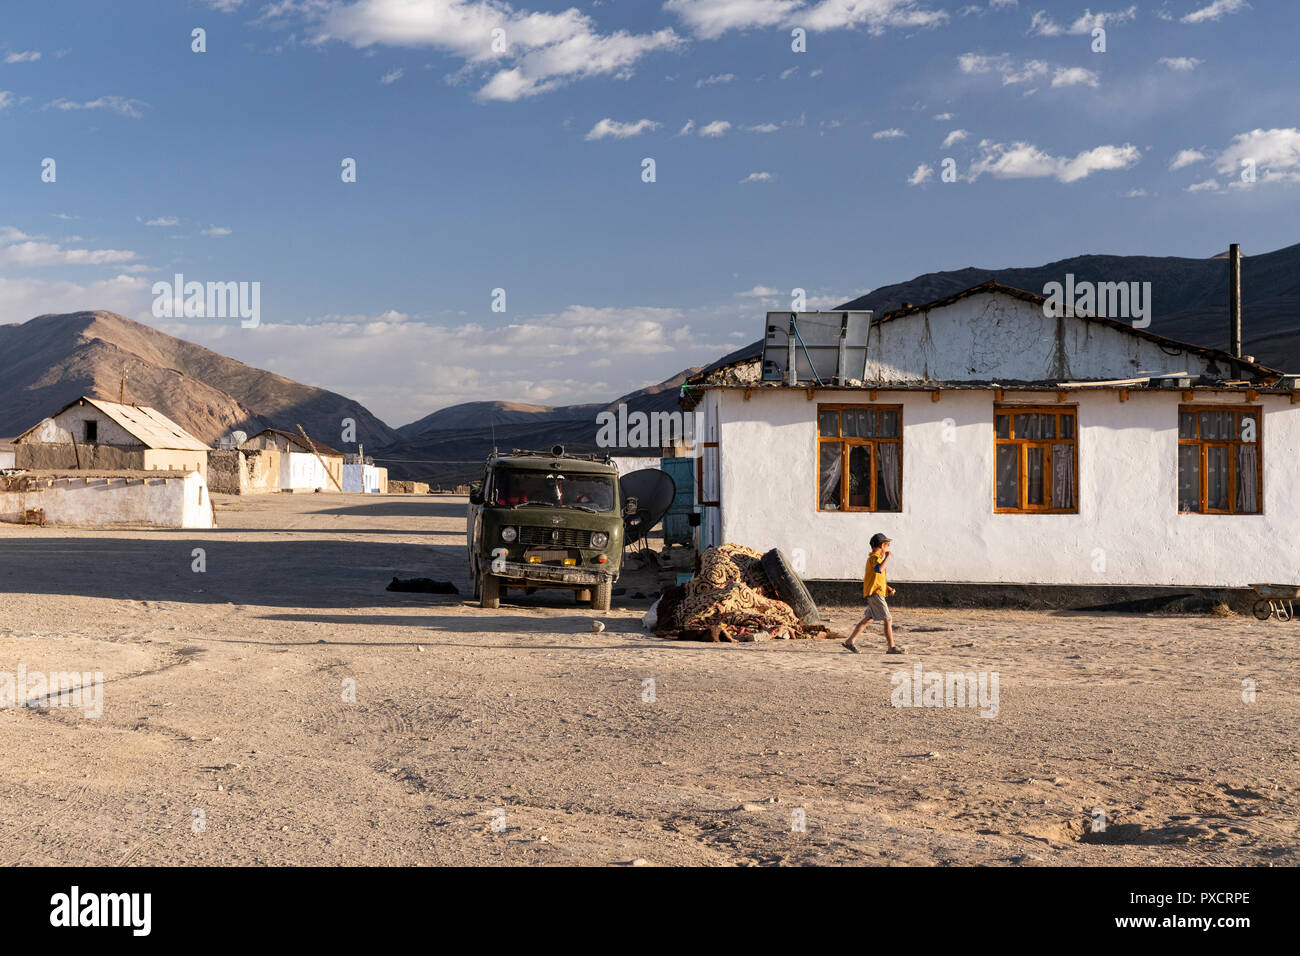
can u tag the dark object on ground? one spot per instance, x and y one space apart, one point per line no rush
423 586
789 587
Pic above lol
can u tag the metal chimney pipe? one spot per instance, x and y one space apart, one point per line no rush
1234 299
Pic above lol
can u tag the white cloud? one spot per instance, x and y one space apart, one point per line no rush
760 292
1074 76
1180 63
225 6
392 76
944 117
1025 161
1043 25
1273 153
716 128
545 359
27 56
216 231
1135 193
1004 66
613 128
163 221
1208 185
6 99
893 133
921 174
543 51
715 80
710 19
956 136
20 249
687 128
1215 11
786 74
758 178
1185 157
117 104
763 128
25 298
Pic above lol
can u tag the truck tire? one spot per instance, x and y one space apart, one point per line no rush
489 591
789 588
601 595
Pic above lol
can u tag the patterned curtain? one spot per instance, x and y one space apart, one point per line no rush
1062 476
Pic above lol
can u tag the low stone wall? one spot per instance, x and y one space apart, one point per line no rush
232 471
64 456
408 488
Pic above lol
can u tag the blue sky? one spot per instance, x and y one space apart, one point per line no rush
521 169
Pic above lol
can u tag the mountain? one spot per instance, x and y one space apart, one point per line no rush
53 359
483 414
449 446
1189 297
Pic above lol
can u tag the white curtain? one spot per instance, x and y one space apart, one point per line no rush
887 462
1247 479
1062 476
830 476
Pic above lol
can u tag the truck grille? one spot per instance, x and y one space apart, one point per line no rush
556 537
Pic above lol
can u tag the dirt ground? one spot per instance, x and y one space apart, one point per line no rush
519 736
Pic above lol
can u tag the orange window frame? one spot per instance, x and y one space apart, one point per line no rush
1047 445
1205 444
857 441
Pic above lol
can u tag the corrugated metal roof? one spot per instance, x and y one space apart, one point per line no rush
149 426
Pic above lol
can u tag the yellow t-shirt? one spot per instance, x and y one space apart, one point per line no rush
873 579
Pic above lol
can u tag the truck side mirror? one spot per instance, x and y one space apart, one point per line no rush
476 495
630 506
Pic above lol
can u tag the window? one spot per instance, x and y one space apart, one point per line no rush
92 432
859 457
1036 458
1219 468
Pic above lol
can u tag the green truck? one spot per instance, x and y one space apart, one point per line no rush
546 520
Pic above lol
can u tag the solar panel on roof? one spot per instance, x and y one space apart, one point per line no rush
821 347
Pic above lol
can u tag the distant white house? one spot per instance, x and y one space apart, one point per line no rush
995 443
303 467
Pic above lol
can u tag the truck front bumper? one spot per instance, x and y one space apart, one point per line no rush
543 574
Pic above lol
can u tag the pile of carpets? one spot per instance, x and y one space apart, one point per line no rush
730 598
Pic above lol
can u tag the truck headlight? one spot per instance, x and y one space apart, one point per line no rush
599 539
509 534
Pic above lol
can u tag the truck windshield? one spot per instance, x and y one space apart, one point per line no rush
514 489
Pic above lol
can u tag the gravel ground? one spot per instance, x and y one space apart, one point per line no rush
518 736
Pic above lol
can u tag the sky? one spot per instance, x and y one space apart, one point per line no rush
504 238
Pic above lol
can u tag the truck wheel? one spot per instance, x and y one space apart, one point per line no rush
489 591
789 587
603 592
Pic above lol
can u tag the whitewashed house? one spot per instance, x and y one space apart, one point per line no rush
998 444
303 466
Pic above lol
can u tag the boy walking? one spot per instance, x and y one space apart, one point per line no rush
875 589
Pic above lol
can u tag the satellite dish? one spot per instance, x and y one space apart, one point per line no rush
650 494
238 438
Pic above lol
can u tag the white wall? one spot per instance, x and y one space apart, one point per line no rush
99 501
999 338
361 479
304 471
6 459
947 531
